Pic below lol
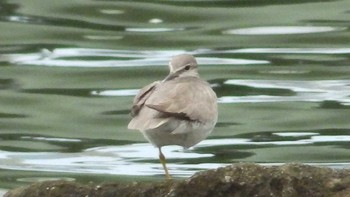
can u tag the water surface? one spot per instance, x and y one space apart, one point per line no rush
69 71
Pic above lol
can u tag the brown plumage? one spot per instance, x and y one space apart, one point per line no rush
180 110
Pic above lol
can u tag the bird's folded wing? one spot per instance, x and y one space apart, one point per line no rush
190 99
141 97
146 120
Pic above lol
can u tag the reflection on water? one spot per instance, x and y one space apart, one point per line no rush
69 71
309 91
109 58
141 159
80 57
282 30
294 50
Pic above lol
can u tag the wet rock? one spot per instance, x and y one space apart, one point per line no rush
233 180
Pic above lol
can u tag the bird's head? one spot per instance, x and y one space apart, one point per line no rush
182 66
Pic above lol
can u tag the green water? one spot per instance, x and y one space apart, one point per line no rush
69 71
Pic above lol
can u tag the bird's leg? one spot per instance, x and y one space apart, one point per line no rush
163 161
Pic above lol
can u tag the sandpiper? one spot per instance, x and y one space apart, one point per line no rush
179 110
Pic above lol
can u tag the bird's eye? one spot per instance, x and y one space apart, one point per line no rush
187 67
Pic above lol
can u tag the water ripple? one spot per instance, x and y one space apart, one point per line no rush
292 50
75 57
80 57
310 91
40 20
153 30
132 92
278 30
142 159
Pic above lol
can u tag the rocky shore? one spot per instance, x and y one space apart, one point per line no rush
246 179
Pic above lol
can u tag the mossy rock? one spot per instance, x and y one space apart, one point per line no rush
239 180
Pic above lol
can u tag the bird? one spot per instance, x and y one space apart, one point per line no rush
179 110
